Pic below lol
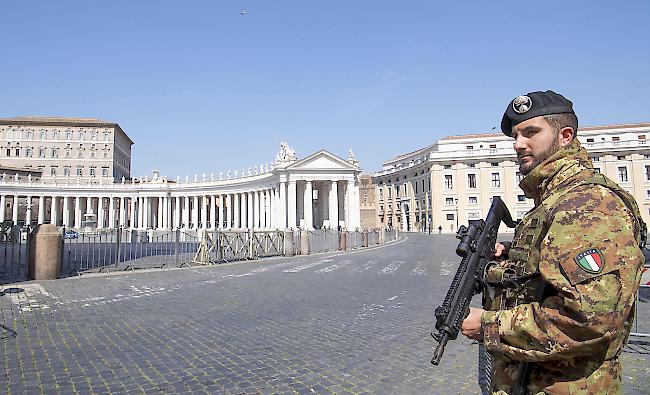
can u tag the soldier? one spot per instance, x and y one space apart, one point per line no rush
559 308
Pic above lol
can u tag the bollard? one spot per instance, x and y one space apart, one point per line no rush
45 253
289 249
364 240
343 240
382 236
304 242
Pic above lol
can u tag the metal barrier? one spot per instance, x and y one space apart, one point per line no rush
354 240
373 237
296 242
125 248
14 252
226 246
323 240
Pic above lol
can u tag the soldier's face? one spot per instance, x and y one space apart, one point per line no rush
535 141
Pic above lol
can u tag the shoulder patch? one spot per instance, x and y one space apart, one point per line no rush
591 260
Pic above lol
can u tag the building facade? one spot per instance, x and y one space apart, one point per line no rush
452 182
367 202
60 148
321 190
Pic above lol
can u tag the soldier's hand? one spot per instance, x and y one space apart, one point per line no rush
499 250
472 324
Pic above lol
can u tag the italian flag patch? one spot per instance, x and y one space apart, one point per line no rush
591 260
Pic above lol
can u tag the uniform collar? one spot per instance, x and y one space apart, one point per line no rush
555 170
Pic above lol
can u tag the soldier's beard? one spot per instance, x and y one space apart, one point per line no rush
525 168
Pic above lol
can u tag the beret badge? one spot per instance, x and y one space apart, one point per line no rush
522 104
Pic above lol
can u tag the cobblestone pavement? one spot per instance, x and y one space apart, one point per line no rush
330 323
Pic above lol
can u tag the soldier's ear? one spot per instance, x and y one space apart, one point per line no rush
566 136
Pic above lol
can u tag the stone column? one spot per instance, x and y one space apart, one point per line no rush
334 205
274 209
195 212
100 212
3 207
41 210
14 210
249 201
282 206
229 212
257 223
186 211
213 216
267 209
243 211
54 211
204 212
147 212
292 207
111 212
66 211
132 202
308 205
77 212
122 213
221 211
28 214
160 220
140 205
236 211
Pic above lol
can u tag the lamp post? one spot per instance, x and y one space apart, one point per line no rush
456 201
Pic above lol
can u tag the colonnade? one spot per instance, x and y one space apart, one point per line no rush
286 204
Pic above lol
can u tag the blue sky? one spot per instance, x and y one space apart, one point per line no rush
201 88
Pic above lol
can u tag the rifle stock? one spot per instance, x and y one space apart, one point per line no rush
476 248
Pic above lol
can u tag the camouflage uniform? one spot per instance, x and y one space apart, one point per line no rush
564 300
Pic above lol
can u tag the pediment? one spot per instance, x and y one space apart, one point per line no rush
322 160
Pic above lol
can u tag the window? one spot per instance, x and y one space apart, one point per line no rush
449 200
597 169
472 165
473 200
647 172
81 135
105 154
41 152
416 187
621 158
79 171
449 181
43 135
66 171
493 146
596 159
641 137
647 193
92 154
616 138
390 192
518 177
53 171
422 185
28 152
93 136
590 140
494 164
397 191
92 172
107 137
471 180
68 135
496 180
450 217
521 198
447 167
18 151
381 194
622 173
55 152
55 135
67 153
80 154
469 147
29 134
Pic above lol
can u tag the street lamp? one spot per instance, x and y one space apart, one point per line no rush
456 201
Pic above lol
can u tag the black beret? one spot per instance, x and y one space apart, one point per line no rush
533 105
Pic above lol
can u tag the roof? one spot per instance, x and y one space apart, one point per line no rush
402 156
61 121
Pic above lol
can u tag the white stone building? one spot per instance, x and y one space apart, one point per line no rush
321 190
452 181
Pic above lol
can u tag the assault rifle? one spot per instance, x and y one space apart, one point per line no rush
476 247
